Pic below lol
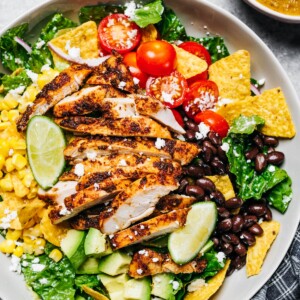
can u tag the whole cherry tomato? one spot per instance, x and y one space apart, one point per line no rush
197 49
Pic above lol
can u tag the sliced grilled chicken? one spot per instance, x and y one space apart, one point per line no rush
57 194
149 229
148 262
117 108
66 83
136 202
85 101
131 126
114 71
172 202
126 162
80 148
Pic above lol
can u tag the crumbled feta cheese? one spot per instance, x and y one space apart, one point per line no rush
79 170
45 68
130 237
287 199
167 97
271 168
220 257
64 211
11 152
36 260
122 84
142 252
33 76
111 236
155 259
241 76
18 91
111 22
224 101
122 163
43 281
135 232
160 143
130 9
262 81
139 271
18 61
25 263
225 147
37 267
142 227
9 216
39 44
196 285
72 51
15 264
132 33
136 80
91 155
175 285
96 186
203 131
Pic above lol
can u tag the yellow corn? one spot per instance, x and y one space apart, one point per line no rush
27 180
13 115
32 194
39 246
29 95
10 101
22 173
19 161
56 255
18 144
46 77
6 184
18 251
9 166
7 246
20 189
4 115
1 174
28 248
33 231
4 125
4 148
2 161
13 234
28 240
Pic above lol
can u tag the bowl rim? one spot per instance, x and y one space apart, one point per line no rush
273 13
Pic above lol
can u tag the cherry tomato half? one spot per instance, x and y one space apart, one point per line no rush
157 58
178 117
129 60
196 49
202 95
215 121
171 90
117 32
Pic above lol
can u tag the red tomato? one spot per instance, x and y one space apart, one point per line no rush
202 95
198 77
215 121
157 58
178 117
130 61
171 90
196 49
117 32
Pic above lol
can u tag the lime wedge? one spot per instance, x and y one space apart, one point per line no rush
185 243
45 143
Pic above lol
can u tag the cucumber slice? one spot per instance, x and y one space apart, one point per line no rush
185 243
45 144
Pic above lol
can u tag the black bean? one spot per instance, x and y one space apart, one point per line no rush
238 262
233 203
190 135
218 166
225 225
195 171
237 223
256 229
251 154
230 270
223 212
195 191
192 125
218 197
268 215
240 249
207 154
216 241
258 141
249 220
270 141
206 184
206 198
215 138
208 144
270 150
207 169
182 185
199 162
247 238
258 209
227 248
230 238
275 158
222 154
260 162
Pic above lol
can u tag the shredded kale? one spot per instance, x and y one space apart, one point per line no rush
15 80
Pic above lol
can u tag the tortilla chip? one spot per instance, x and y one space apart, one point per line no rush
149 33
232 75
84 37
94 294
212 286
257 253
270 105
224 185
53 233
189 64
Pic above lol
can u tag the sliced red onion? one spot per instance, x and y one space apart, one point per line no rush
23 44
255 90
92 62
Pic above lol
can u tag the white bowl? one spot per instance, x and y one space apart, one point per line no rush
272 13
196 15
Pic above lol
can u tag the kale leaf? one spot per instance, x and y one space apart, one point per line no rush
15 80
97 12
49 279
12 54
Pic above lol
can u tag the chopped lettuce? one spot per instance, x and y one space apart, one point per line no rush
148 14
88 280
15 80
49 279
246 125
12 54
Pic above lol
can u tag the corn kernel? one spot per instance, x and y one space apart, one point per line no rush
22 173
13 234
13 115
4 125
28 178
4 115
20 189
2 161
28 240
9 166
28 248
19 161
39 246
33 232
1 174
11 101
18 251
19 144
29 95
7 246
4 148
6 184
46 77
56 255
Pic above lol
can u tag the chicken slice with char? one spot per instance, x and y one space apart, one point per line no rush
130 126
148 262
85 101
136 203
149 229
64 84
180 151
